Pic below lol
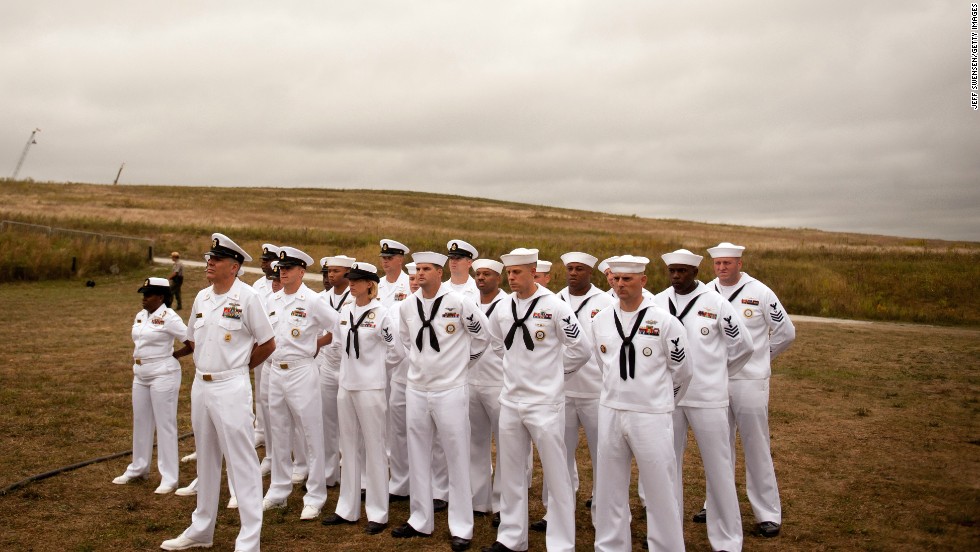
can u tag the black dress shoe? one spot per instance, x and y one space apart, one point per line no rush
540 525
406 531
397 497
700 517
769 529
373 527
497 546
458 544
336 520
439 505
495 520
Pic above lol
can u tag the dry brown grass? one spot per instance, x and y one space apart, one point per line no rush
875 438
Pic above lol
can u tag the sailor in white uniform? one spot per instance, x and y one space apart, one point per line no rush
720 345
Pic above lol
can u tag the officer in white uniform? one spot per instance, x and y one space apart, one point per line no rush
720 346
642 352
337 295
370 350
444 333
230 334
304 323
156 385
748 391
393 287
486 379
461 255
537 335
270 254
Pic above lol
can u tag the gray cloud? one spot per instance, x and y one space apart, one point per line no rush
838 115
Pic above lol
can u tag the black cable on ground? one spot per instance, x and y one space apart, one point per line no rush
52 473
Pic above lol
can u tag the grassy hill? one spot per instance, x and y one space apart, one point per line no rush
817 273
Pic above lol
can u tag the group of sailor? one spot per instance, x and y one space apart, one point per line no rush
397 386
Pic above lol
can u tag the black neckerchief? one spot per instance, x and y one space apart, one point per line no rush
734 295
580 307
519 323
342 299
687 309
626 350
353 331
433 339
492 306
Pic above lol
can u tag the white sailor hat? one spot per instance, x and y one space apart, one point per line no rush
459 248
628 264
604 265
411 268
155 286
363 271
340 260
429 257
223 247
543 266
489 264
726 249
390 248
520 256
579 257
682 257
290 256
270 252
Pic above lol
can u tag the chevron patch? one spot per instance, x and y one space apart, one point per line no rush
472 325
572 331
677 355
387 335
731 331
776 315
476 356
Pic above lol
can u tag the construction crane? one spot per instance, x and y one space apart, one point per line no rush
20 162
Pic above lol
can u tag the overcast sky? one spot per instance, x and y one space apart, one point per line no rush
840 115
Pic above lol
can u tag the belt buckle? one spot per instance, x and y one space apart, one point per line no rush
207 377
284 365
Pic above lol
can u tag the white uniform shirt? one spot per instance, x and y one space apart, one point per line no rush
379 347
718 342
765 318
299 319
262 286
330 355
225 327
488 371
661 359
587 382
460 328
538 376
390 293
154 333
467 289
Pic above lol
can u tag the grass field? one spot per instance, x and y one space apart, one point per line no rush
876 439
816 273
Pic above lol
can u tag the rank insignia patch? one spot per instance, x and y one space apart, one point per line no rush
776 315
199 315
730 330
571 330
677 355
